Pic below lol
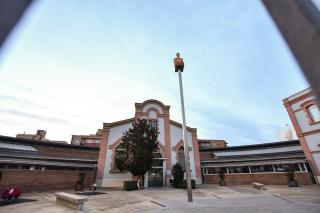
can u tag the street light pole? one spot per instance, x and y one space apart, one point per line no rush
179 65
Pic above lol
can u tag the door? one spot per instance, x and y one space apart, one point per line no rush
155 177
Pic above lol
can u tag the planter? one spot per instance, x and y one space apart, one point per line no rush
79 187
292 183
130 185
222 183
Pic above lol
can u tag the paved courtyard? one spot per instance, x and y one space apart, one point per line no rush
207 198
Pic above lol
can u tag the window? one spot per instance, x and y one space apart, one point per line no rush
181 159
157 159
119 157
242 169
212 170
303 168
284 167
215 170
153 123
314 113
262 168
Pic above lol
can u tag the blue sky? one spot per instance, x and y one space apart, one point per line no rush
70 66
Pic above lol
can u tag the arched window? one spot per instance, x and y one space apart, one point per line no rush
314 113
181 159
119 157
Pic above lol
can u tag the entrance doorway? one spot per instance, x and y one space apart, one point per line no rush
155 177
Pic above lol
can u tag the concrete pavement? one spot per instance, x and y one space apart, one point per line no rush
207 198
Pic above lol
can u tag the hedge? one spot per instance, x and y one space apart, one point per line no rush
183 184
130 185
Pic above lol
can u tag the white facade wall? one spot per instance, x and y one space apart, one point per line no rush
296 106
310 133
316 157
176 137
313 142
114 179
155 106
151 110
304 122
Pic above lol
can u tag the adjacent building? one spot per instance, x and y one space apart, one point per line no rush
33 165
170 150
263 163
304 113
92 140
202 143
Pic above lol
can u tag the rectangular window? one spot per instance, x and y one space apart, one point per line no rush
215 170
303 169
212 171
262 168
241 169
314 112
284 167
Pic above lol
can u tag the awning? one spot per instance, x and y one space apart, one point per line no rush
16 147
260 151
255 158
44 163
37 156
256 163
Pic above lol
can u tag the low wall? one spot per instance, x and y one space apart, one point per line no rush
302 178
115 179
42 180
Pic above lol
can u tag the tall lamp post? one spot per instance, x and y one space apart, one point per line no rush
179 66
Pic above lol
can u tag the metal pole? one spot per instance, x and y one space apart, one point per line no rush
299 23
185 144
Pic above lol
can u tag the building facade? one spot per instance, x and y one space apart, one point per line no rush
170 148
34 165
92 140
262 163
202 143
304 113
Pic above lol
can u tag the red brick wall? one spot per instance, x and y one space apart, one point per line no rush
206 155
60 152
42 180
302 178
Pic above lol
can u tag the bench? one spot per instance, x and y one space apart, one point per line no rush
70 200
259 186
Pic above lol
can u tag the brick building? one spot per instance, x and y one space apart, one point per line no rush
211 143
37 165
263 163
92 140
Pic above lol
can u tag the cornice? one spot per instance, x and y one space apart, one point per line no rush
117 123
